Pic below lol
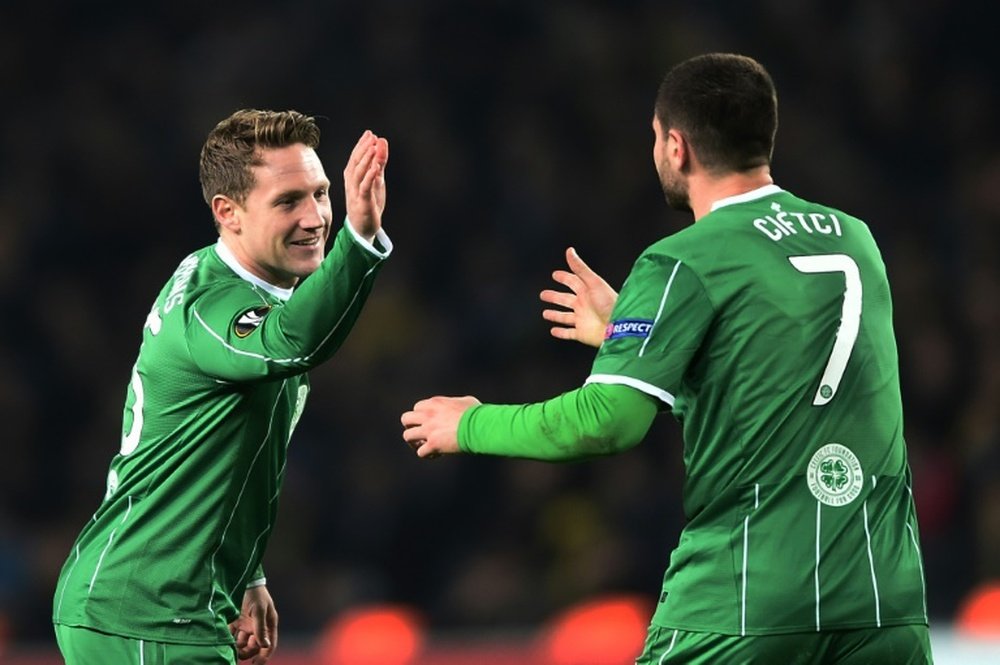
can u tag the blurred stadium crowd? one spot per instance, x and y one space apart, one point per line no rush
516 129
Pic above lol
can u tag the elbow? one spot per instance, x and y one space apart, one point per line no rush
609 438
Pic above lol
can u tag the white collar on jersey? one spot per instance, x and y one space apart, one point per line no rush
230 260
758 193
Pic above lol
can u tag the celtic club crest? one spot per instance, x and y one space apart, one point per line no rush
834 475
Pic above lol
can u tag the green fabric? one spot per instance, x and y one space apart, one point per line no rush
82 646
797 488
258 574
591 421
898 645
217 389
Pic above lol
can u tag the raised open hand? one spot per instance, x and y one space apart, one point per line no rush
364 184
587 306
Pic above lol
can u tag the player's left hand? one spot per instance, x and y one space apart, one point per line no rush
431 428
256 629
586 307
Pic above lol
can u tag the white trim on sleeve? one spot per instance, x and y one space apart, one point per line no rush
380 235
641 386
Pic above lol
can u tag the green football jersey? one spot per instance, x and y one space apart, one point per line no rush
767 327
215 393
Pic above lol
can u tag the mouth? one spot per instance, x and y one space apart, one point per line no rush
306 242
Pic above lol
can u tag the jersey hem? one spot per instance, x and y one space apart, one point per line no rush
790 630
148 637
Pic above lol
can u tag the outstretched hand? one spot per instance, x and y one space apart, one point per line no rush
431 428
364 184
256 629
587 306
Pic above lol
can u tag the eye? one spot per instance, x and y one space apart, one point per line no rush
321 193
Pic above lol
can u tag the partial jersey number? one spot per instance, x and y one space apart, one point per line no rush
130 438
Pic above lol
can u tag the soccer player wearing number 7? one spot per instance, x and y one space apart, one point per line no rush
169 571
766 329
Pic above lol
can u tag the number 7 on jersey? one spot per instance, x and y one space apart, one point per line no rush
850 317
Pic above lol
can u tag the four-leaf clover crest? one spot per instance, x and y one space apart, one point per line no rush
833 474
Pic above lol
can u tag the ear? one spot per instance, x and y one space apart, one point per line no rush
226 213
679 151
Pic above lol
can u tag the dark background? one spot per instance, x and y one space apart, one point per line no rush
516 129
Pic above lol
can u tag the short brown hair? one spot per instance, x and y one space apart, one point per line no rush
726 106
233 147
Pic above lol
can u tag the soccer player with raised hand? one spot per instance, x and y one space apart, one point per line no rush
766 329
168 570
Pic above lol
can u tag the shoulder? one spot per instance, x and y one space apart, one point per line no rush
203 286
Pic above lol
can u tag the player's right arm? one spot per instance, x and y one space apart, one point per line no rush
591 421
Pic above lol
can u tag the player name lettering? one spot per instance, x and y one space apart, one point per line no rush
783 224
181 278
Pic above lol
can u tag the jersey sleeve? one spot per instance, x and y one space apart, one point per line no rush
234 334
662 314
591 421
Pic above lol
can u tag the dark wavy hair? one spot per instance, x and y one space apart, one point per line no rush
726 107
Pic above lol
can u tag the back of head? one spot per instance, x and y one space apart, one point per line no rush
233 148
726 107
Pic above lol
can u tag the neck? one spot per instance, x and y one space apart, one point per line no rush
705 189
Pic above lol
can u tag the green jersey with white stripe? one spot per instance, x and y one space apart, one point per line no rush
215 393
767 328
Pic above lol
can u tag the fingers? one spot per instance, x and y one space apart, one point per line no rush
578 266
411 418
366 164
427 451
569 280
567 300
414 432
557 316
563 333
358 170
367 182
261 629
381 151
431 426
365 142
414 435
272 624
416 438
248 650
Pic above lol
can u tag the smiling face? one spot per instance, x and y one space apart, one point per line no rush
279 233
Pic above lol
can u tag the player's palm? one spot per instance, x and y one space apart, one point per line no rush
586 308
364 183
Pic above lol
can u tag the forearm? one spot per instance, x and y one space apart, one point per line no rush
322 311
592 421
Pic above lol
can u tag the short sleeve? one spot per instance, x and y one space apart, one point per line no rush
658 323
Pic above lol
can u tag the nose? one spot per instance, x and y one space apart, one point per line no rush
316 215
